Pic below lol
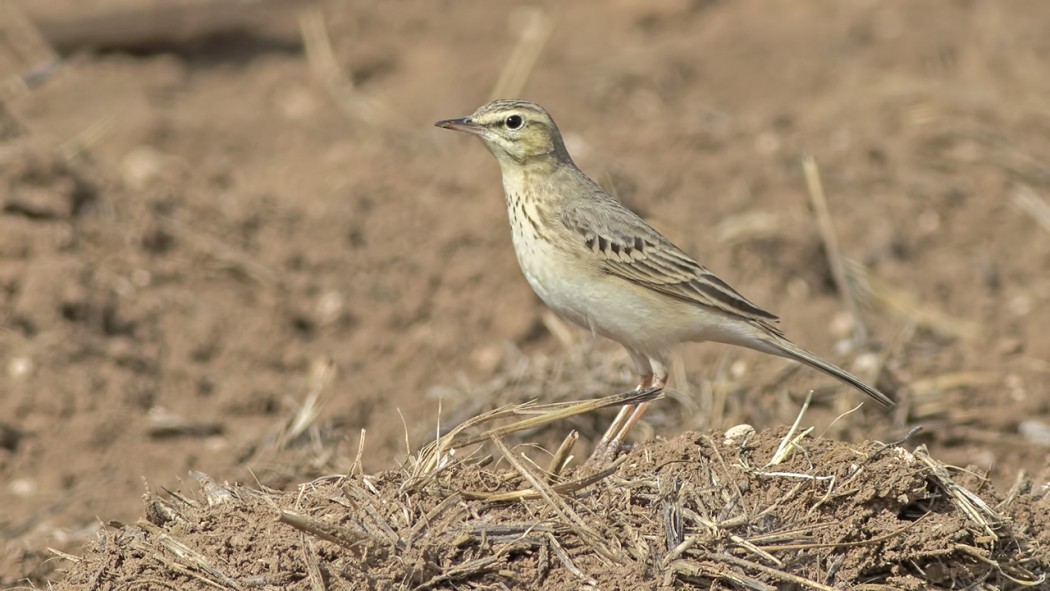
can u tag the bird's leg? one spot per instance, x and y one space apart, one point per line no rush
652 371
635 415
626 411
629 414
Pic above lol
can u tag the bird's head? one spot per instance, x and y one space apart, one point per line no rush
515 131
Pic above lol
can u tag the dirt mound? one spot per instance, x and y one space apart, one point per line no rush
755 510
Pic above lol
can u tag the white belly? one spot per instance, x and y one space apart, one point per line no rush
581 292
548 272
599 303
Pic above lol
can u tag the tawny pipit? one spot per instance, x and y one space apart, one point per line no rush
601 266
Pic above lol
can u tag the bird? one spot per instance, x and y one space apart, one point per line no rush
601 266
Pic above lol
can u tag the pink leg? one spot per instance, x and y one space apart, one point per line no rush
634 417
625 420
626 412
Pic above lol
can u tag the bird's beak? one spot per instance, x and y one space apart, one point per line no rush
465 124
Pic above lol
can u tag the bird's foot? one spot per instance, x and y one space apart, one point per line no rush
606 449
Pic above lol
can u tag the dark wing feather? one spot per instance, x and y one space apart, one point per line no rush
631 249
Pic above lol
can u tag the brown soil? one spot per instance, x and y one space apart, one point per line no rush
698 511
200 233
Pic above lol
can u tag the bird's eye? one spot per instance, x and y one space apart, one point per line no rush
514 122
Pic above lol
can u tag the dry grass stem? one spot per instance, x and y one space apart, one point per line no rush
461 571
749 226
788 443
908 306
341 89
357 468
313 564
561 330
88 138
434 455
559 506
33 58
535 28
831 247
162 423
305 416
65 556
563 557
971 505
349 538
562 457
773 572
194 564
563 488
561 411
1027 201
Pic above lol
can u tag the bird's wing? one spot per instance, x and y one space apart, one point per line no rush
629 248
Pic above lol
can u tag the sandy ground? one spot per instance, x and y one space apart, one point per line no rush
201 232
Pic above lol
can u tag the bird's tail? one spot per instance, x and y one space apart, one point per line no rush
785 348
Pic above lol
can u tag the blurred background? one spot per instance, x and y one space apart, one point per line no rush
232 241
